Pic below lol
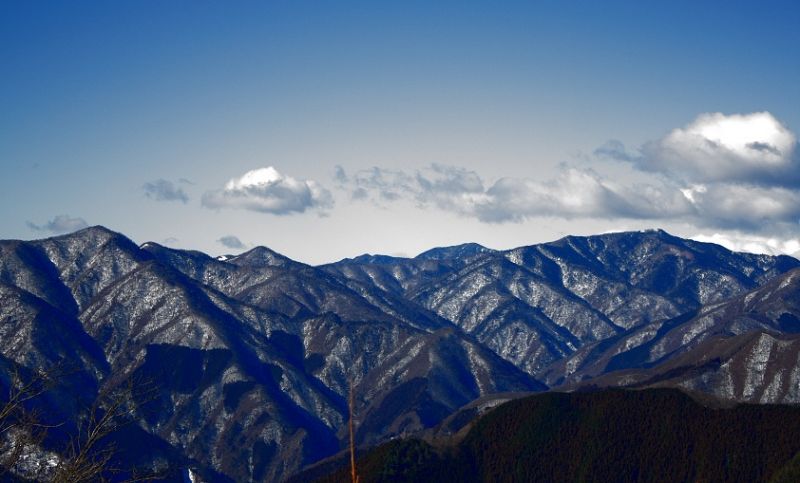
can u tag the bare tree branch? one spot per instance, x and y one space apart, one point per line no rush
21 429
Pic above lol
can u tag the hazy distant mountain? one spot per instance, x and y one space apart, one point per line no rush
252 356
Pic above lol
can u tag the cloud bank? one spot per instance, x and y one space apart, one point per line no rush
737 172
575 193
266 190
164 190
751 148
60 224
753 244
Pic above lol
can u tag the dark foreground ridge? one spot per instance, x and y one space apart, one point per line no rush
614 435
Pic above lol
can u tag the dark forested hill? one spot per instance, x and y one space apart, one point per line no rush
650 435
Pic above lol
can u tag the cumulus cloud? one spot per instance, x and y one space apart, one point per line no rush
752 208
738 171
60 224
230 241
739 148
164 190
266 190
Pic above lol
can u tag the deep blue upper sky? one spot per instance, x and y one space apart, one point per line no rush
98 99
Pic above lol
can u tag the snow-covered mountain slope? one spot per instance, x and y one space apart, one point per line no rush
253 356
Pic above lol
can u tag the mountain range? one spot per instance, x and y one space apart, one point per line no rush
249 359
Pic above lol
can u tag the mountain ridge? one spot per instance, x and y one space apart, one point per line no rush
255 354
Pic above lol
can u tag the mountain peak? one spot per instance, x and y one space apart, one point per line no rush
455 251
261 257
92 232
374 259
89 239
649 233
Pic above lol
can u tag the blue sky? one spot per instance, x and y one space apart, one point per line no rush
396 127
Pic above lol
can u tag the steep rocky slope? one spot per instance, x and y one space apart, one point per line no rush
252 358
540 304
745 349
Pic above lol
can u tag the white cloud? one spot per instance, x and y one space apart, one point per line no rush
751 243
582 193
268 191
738 171
448 187
60 224
743 148
748 207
